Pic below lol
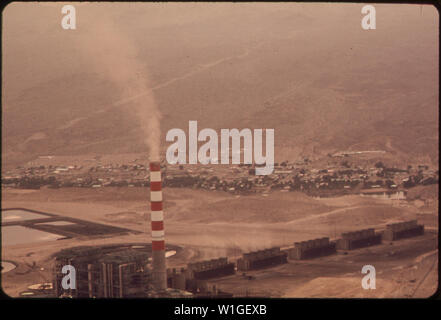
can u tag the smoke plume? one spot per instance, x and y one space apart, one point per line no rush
112 53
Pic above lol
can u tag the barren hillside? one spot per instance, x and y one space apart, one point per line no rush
307 70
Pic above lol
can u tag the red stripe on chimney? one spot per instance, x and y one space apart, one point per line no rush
155 166
158 245
157 225
156 206
155 186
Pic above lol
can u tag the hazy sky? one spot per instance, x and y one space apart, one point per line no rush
307 70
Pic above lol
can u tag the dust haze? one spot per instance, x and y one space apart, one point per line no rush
355 115
309 71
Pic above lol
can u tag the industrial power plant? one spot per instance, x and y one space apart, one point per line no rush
159 272
138 270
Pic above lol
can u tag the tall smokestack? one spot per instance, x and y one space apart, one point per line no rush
159 272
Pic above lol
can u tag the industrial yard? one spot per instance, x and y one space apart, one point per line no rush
97 181
405 267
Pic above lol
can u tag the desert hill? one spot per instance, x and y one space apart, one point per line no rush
307 70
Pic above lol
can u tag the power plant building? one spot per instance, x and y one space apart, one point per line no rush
402 230
261 259
312 249
358 239
103 272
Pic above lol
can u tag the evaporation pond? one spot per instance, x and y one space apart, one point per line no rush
12 235
7 266
57 223
20 215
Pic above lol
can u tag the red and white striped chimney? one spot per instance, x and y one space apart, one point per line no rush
159 272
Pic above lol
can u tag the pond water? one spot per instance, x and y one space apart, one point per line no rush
7 266
12 235
20 215
57 223
170 253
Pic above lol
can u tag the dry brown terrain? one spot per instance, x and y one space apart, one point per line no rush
213 224
307 70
